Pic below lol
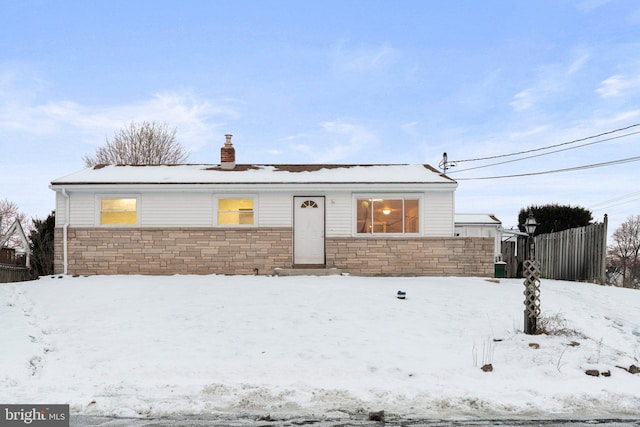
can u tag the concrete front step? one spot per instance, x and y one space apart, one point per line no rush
307 271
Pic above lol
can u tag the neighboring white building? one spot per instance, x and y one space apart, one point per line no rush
480 225
251 219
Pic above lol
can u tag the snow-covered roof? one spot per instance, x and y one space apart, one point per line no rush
253 174
476 218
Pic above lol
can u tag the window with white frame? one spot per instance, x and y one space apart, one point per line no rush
235 211
391 215
118 211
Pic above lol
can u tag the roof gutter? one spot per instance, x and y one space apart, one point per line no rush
168 183
513 232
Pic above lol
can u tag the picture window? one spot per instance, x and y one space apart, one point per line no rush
387 216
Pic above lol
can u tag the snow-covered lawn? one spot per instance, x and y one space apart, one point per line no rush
321 346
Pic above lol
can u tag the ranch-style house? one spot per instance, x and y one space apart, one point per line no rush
228 218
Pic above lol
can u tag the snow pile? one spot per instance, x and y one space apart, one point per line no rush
322 346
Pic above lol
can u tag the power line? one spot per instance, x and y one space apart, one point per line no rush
573 169
547 147
615 199
615 204
545 154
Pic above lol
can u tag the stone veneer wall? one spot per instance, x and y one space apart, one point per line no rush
174 250
428 256
241 250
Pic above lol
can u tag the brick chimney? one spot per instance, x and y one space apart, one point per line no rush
228 154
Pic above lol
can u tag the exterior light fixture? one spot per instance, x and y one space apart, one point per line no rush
386 211
530 224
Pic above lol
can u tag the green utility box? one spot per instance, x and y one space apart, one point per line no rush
500 269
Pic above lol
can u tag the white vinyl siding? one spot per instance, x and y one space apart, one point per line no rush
339 218
82 209
61 209
482 230
172 207
438 212
176 209
275 210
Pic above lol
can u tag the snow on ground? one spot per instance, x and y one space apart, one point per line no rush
316 346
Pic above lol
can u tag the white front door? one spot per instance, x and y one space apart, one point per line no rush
308 230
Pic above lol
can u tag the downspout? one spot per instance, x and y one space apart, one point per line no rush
65 227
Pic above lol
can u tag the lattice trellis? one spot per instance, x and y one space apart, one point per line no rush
532 288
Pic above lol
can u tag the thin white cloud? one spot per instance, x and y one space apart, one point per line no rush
578 63
192 116
634 17
274 152
619 85
410 127
528 132
334 141
364 59
555 78
620 118
352 138
591 5
524 100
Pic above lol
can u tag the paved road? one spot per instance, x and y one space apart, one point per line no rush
91 421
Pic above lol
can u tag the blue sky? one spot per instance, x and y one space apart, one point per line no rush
333 82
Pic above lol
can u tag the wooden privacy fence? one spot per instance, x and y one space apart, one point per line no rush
513 254
13 273
577 254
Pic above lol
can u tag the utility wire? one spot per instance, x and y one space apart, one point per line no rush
615 204
577 168
616 199
547 147
544 154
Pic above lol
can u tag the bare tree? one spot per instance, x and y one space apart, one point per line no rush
625 252
146 143
9 212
